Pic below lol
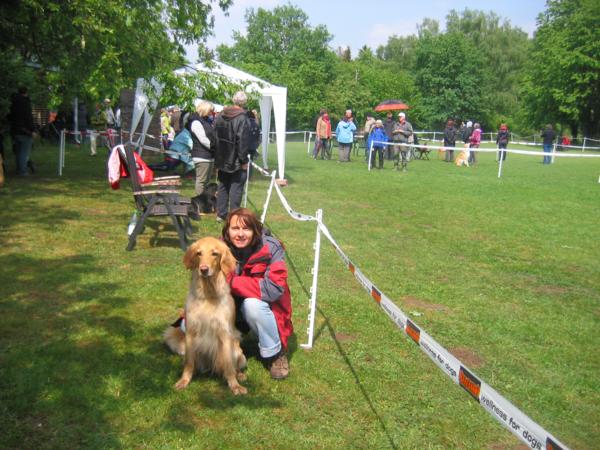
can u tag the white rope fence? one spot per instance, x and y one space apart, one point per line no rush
552 154
490 400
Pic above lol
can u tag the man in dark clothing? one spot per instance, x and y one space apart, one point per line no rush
231 157
388 127
548 135
450 140
21 128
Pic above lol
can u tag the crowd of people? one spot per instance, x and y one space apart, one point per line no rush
380 136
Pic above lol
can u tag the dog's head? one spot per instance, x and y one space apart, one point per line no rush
209 256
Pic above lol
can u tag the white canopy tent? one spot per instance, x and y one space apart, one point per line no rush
273 100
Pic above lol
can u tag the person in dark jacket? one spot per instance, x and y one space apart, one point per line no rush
21 128
548 135
450 140
204 143
388 127
259 287
231 157
466 131
502 141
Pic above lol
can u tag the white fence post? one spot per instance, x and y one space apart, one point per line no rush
247 180
266 205
313 289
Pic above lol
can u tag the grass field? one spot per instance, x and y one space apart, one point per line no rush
504 273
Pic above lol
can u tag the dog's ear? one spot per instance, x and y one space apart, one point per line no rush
228 262
190 258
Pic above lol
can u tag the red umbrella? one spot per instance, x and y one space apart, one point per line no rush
391 105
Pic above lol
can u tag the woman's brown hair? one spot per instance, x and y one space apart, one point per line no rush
247 218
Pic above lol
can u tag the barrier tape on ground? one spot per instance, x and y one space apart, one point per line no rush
517 422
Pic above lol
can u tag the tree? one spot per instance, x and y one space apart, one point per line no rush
399 50
504 50
93 48
281 47
563 76
448 76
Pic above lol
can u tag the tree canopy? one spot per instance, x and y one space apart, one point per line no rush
563 75
478 66
93 48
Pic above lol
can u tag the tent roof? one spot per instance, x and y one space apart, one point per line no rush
237 75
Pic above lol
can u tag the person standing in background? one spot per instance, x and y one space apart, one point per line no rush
318 143
548 135
502 141
450 140
388 126
474 141
402 132
231 157
204 143
344 133
369 125
21 128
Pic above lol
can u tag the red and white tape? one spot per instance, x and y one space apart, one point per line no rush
517 422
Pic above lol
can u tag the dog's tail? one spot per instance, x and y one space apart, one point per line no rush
175 340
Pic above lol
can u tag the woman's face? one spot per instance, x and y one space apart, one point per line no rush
240 234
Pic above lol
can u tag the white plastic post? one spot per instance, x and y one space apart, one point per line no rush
370 155
61 152
500 165
308 145
553 152
247 181
313 290
266 205
583 148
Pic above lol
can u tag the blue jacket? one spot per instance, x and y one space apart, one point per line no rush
378 135
181 148
344 131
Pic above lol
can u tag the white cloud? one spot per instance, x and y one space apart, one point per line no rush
380 32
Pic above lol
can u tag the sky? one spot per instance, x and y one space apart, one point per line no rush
356 23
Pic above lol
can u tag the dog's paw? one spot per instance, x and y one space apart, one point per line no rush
239 390
182 384
241 376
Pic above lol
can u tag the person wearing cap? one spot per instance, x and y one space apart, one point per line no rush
502 141
401 134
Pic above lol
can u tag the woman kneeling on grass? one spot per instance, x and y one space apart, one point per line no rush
259 287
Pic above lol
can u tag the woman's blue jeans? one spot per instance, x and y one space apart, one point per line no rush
261 320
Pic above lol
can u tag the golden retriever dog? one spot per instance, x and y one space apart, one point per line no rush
463 157
210 342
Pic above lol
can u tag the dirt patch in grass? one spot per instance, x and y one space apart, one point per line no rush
343 337
549 289
468 356
414 302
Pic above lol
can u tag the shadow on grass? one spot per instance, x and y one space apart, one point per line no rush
327 325
69 364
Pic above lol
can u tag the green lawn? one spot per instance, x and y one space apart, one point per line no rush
504 273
